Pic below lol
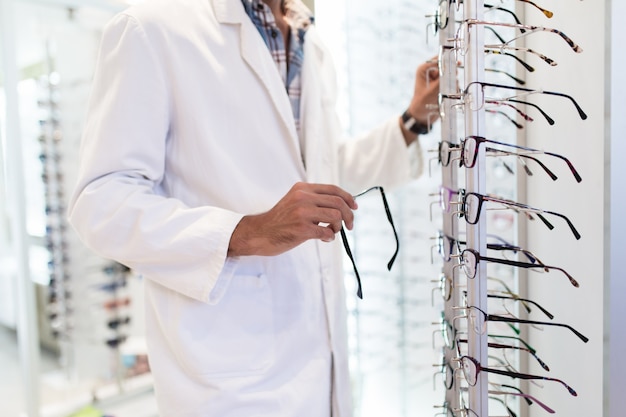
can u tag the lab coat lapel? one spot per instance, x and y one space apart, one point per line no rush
313 120
254 52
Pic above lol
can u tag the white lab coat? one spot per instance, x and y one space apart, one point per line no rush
189 128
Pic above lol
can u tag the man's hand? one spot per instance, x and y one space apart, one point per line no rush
425 96
426 92
307 211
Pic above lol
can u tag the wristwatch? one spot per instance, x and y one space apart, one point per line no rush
413 125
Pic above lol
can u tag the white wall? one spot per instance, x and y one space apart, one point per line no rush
588 145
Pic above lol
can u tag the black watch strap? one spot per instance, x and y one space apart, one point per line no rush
413 125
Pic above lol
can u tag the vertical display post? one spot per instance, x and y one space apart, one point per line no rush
475 181
449 174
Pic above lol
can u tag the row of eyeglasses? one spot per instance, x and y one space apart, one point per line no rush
458 370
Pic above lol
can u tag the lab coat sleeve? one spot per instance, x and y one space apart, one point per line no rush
379 157
118 207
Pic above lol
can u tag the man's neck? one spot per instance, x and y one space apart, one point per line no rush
275 6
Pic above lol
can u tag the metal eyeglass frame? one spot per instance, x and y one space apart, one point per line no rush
470 258
524 91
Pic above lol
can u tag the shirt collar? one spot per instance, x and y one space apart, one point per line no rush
297 14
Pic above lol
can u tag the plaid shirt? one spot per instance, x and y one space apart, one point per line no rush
289 63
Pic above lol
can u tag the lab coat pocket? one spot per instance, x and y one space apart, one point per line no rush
234 337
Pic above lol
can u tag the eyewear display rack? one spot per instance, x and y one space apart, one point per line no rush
475 181
466 310
59 303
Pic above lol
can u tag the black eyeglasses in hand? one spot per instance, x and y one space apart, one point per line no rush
346 245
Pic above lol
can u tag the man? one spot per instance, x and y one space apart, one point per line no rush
212 174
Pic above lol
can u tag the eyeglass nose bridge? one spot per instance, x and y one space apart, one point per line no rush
457 158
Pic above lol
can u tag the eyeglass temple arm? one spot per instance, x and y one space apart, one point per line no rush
523 63
492 317
581 113
547 13
393 227
505 346
519 339
569 164
509 118
539 109
569 223
346 246
528 376
529 265
507 104
511 76
525 397
518 207
498 246
524 148
492 30
534 355
515 298
531 29
519 22
537 211
543 166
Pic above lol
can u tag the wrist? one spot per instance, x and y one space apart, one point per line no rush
413 125
242 242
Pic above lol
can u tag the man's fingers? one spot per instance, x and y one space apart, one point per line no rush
333 190
334 210
337 201
331 218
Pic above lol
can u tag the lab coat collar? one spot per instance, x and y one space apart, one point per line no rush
254 52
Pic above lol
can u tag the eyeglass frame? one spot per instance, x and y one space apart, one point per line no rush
465 359
513 347
481 139
346 244
478 258
494 317
453 147
529 29
513 205
466 93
